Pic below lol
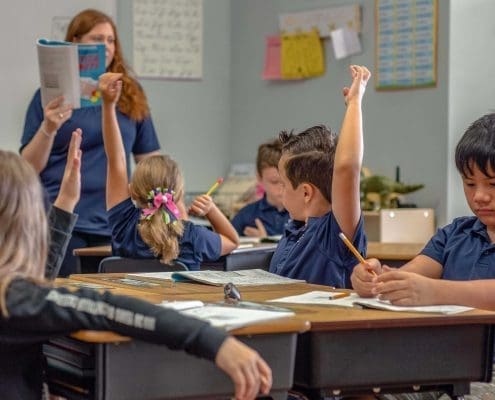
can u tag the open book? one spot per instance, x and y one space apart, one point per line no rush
227 316
329 298
71 70
219 278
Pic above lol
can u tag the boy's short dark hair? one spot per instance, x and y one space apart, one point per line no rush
311 155
269 154
477 147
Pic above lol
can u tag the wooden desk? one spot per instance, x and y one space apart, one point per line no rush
394 254
354 351
131 369
256 256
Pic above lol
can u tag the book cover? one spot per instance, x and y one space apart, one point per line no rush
71 70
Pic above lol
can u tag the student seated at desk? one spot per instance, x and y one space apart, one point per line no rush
266 216
147 216
32 311
321 193
457 266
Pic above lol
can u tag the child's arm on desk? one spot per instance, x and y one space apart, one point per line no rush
203 205
117 188
349 156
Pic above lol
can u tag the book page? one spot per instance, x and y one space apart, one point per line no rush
239 278
231 317
59 72
322 298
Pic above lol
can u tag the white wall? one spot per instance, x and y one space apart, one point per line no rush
21 23
471 81
192 118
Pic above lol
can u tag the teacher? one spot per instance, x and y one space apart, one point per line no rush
47 133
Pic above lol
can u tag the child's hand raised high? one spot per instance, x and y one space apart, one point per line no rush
110 86
360 76
70 188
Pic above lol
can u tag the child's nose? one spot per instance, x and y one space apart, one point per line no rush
481 196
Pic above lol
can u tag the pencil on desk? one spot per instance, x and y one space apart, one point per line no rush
214 187
354 251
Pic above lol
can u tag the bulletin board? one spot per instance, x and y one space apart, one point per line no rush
168 38
406 44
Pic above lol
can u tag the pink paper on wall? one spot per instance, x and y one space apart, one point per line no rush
272 58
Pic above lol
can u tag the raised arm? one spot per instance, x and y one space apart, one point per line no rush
37 151
203 205
61 218
117 188
349 156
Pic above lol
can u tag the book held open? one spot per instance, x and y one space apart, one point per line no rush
70 70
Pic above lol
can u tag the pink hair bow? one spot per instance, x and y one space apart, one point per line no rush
162 199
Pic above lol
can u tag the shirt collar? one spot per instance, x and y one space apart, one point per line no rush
479 229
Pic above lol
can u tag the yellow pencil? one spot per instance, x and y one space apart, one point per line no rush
214 187
351 247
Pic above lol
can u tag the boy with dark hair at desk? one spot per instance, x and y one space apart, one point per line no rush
267 216
321 193
457 265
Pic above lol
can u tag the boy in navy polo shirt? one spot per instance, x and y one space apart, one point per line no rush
457 266
461 251
267 216
321 193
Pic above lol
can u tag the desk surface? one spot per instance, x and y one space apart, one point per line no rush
429 344
320 317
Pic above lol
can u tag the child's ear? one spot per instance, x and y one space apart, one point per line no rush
258 177
308 192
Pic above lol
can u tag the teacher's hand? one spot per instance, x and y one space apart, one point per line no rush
56 113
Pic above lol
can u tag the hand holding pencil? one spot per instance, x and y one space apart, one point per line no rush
364 274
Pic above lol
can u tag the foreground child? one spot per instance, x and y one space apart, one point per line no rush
32 311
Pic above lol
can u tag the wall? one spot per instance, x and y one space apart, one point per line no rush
192 118
21 24
405 128
471 81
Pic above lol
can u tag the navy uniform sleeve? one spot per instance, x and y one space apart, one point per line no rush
34 117
37 313
61 224
146 138
435 248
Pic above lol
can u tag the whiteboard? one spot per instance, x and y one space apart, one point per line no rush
168 38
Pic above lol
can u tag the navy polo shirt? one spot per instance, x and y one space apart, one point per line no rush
139 137
464 249
196 244
273 219
314 252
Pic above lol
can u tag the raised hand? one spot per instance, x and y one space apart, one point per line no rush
110 85
249 372
70 188
360 76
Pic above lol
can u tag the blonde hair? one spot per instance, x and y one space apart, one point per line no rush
153 172
132 101
24 230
